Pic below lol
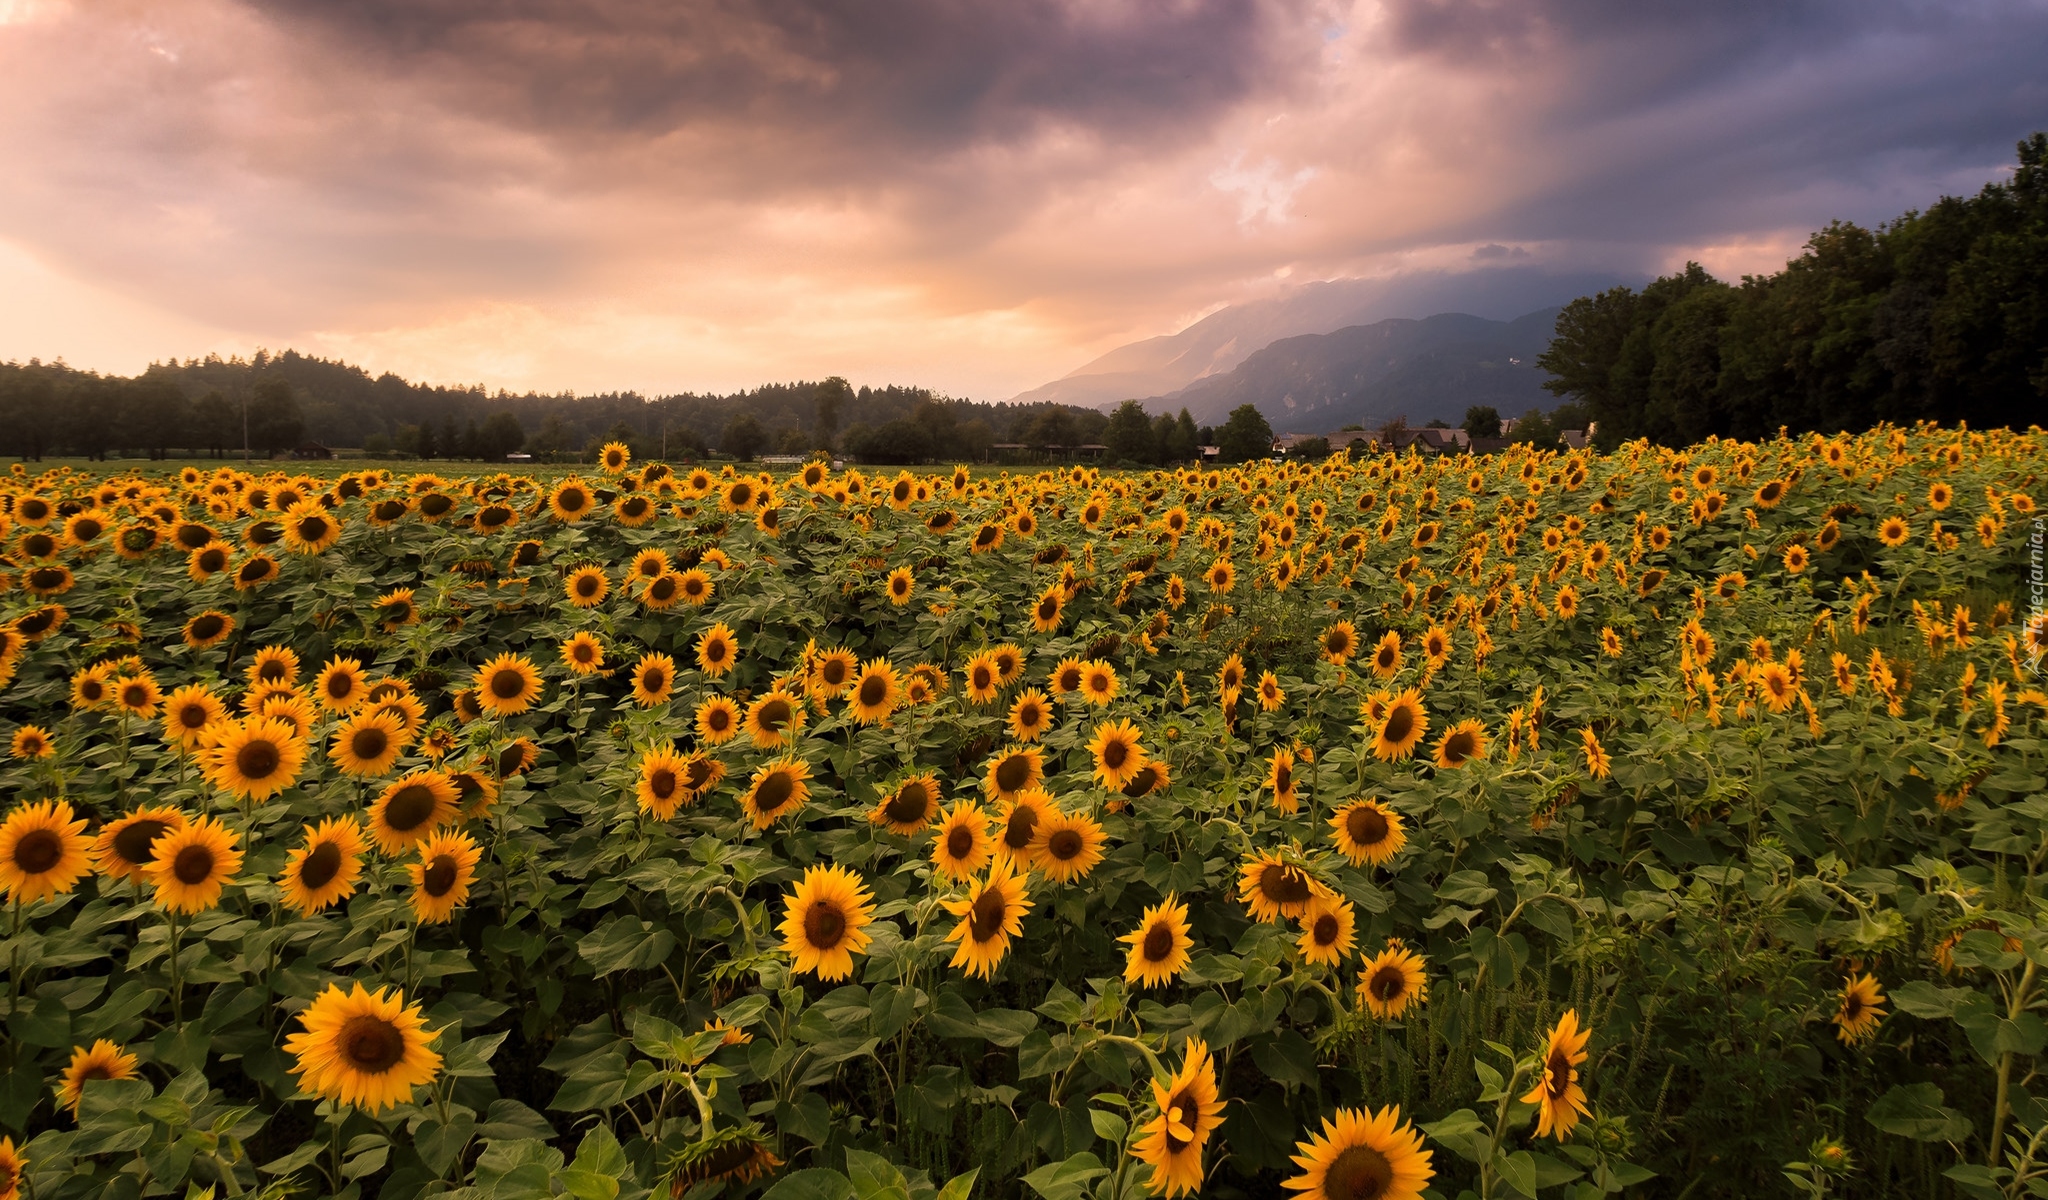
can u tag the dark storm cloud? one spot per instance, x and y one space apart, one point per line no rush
893 80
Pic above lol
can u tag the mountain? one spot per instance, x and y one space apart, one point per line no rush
1220 341
1365 374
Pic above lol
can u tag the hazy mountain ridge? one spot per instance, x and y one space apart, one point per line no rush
1219 342
1435 367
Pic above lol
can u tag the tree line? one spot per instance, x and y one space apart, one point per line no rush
1939 315
279 403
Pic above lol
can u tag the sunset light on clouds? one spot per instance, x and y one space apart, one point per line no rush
609 194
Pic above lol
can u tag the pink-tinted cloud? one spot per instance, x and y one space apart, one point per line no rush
635 193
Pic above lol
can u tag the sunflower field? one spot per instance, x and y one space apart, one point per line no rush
1662 823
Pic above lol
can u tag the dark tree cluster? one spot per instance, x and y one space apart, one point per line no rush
286 401
1940 315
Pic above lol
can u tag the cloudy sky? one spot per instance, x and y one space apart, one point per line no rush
974 195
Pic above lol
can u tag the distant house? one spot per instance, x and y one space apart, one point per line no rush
312 450
782 460
519 456
1211 453
1575 438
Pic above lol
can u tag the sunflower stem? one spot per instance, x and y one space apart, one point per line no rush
177 972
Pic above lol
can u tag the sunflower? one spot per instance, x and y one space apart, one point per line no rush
1159 945
1065 846
1557 1094
43 851
274 664
571 500
516 758
1367 831
1598 764
876 692
507 685
1030 716
410 809
587 586
136 695
1018 820
1393 982
1271 697
833 672
441 877
209 628
962 845
31 742
1340 642
739 496
1363 1155
104 1060
1328 931
1230 678
1894 531
654 677
983 681
824 922
614 457
909 806
1190 1111
1280 779
1273 888
1066 677
309 528
992 912
475 794
323 871
1013 772
717 650
89 687
1117 752
293 709
255 758
718 721
901 584
774 719
1152 777
42 622
776 790
363 1048
1099 683
341 685
661 790
1387 657
1460 744
583 653
695 587
1861 1010
367 743
1400 730
192 864
1045 612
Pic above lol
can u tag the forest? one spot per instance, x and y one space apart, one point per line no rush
1939 315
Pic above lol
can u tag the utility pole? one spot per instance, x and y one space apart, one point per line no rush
245 427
